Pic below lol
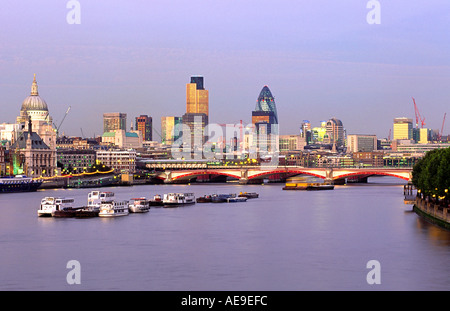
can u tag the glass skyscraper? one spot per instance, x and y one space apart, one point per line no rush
265 121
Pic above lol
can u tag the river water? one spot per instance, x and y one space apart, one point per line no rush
282 241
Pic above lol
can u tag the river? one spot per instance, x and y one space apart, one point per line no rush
282 241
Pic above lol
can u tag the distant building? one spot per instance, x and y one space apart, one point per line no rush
75 161
361 143
123 139
371 159
114 121
265 122
194 134
32 156
425 135
144 125
197 98
195 119
291 143
2 161
122 161
403 129
335 132
168 124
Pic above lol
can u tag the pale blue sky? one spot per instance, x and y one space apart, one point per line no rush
320 59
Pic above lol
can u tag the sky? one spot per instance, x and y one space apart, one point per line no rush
320 59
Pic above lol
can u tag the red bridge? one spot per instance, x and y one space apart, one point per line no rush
244 174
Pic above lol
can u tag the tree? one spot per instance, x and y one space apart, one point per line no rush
431 174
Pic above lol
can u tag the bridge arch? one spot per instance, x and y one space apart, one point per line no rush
188 175
372 173
284 171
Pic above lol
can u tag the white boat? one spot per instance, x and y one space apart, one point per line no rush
113 209
50 205
95 199
175 199
139 205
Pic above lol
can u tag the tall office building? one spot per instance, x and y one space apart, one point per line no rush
196 117
114 121
335 132
403 128
197 98
195 123
169 129
265 121
144 125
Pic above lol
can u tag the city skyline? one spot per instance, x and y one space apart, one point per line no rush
323 60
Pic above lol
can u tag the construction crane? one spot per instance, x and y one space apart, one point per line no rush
57 128
442 128
418 116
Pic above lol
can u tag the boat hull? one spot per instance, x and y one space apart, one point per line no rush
20 187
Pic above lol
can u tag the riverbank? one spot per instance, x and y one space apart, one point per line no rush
434 213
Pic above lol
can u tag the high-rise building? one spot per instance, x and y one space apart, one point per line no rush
144 125
335 132
169 132
197 98
194 129
195 119
114 121
265 121
403 128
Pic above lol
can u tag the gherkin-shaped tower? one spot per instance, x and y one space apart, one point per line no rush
266 102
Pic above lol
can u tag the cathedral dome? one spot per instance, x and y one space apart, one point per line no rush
34 101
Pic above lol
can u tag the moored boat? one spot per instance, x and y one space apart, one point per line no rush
176 199
19 183
249 195
308 186
204 199
237 199
113 209
156 201
139 205
50 205
96 198
221 198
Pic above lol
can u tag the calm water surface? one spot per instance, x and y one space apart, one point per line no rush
284 240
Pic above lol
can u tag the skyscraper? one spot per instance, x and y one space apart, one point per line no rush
196 117
335 132
197 98
265 121
114 121
144 125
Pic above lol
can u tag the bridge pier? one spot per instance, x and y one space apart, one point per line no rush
244 177
168 179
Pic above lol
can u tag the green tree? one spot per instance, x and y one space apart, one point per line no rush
431 174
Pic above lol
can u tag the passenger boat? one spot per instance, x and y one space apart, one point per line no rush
308 186
236 199
221 198
249 195
19 183
176 199
96 198
50 205
113 209
204 199
139 205
156 201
